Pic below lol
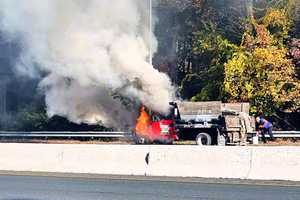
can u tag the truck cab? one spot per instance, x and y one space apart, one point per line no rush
153 127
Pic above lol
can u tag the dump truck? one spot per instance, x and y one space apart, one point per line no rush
212 123
208 123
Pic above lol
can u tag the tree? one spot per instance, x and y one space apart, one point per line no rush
201 47
216 50
261 72
294 53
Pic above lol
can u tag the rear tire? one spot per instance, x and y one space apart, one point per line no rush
169 142
203 139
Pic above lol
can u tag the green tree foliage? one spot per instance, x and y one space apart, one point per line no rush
217 51
202 48
293 11
31 121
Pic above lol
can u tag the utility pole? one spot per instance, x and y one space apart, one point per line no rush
3 91
3 97
5 75
249 8
150 35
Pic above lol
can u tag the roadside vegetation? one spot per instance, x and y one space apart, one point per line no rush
238 51
213 50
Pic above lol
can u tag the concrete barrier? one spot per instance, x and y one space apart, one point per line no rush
197 161
275 163
264 163
98 159
261 163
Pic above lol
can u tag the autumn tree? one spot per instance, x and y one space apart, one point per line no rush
261 72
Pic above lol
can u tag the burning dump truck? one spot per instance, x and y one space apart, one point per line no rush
208 123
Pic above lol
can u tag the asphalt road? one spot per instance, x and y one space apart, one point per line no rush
51 188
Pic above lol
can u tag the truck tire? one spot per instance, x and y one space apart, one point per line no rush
203 139
169 142
142 140
138 140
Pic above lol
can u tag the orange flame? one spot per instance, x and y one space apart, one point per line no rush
143 123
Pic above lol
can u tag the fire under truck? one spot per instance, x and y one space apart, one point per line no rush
208 123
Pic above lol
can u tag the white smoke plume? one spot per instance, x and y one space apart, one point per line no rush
84 51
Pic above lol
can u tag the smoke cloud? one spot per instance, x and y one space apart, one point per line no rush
87 53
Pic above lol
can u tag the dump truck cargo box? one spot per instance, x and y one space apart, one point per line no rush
200 111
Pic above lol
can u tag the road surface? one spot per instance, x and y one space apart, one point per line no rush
51 188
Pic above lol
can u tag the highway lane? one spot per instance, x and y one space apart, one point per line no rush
51 188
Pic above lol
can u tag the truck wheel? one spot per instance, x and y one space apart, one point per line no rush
169 142
139 140
203 139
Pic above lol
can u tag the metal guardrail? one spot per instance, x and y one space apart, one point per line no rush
63 134
100 134
281 134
